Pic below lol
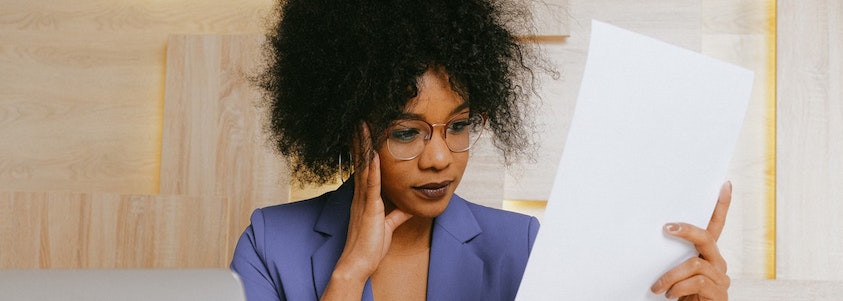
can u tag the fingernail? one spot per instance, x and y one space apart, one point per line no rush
656 286
672 227
667 294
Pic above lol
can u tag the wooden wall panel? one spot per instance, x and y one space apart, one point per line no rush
65 125
213 143
82 87
95 16
785 290
810 140
743 33
483 180
84 230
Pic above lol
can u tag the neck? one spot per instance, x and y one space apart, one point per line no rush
412 236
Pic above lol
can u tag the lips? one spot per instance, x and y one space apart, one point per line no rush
433 191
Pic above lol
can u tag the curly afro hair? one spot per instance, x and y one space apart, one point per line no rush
332 64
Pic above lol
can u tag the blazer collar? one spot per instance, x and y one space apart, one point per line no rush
457 221
450 252
333 220
333 225
455 271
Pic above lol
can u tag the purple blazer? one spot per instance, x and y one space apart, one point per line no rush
289 251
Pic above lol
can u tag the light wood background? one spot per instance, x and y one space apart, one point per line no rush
96 230
809 188
213 142
91 124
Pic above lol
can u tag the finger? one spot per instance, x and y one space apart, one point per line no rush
688 269
700 285
373 185
366 184
718 217
394 219
702 241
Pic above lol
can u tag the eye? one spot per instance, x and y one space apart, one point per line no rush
403 134
459 126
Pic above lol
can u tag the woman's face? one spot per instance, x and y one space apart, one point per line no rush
423 185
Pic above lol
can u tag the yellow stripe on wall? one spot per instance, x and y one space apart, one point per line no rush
771 141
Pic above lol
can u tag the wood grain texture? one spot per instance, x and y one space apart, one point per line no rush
483 180
741 33
92 230
82 87
213 142
68 127
192 16
810 149
785 290
95 16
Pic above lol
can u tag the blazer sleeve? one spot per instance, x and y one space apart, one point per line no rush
250 264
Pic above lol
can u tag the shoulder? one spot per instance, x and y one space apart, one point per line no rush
290 216
275 228
501 220
502 229
504 243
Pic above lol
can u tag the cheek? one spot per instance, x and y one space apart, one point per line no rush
393 173
460 162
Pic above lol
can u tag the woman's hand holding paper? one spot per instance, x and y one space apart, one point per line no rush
703 277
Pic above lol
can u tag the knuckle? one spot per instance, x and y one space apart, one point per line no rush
711 240
697 263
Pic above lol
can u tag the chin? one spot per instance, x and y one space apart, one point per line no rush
426 208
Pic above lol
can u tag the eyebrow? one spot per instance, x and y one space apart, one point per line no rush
406 115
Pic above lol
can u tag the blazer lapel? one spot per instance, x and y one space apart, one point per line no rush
455 271
333 225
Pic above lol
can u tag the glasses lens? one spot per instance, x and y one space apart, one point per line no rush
463 132
405 139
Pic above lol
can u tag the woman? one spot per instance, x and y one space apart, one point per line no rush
399 91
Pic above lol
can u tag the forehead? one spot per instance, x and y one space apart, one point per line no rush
436 99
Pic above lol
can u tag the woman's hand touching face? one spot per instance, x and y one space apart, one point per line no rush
703 277
369 228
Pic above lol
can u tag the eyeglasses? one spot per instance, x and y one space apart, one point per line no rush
407 138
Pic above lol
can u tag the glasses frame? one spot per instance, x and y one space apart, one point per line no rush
431 127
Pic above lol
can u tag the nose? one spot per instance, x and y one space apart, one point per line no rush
436 154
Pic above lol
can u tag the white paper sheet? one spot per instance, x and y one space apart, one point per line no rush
650 142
